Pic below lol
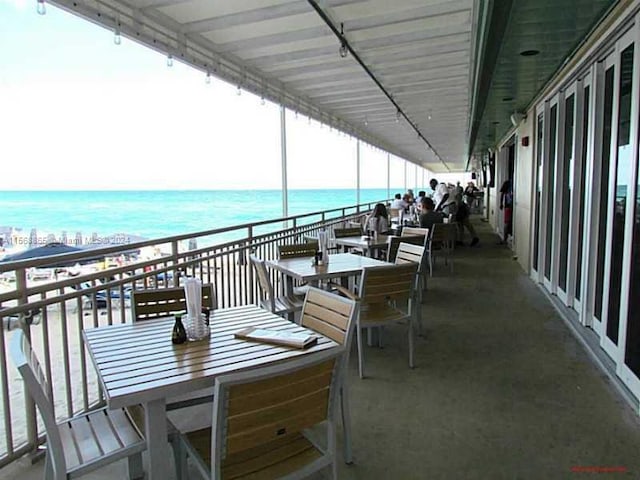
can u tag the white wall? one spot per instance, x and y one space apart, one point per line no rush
523 189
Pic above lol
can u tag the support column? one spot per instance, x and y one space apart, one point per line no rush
283 152
405 175
388 175
358 173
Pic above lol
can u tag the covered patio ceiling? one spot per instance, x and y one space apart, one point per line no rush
422 79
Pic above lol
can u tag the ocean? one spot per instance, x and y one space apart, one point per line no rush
155 213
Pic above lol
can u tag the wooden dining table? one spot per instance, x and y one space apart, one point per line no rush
138 364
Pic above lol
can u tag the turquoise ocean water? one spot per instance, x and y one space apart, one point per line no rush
155 214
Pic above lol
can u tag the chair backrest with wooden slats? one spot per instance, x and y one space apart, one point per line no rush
297 250
412 253
394 242
393 213
329 314
266 288
348 232
387 283
272 404
26 361
149 304
409 231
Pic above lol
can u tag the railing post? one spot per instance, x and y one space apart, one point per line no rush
174 259
248 252
29 404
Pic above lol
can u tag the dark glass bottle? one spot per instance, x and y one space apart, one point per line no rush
207 313
179 334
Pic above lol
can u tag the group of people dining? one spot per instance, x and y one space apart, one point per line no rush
446 202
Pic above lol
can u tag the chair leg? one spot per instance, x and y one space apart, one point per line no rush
136 470
48 467
179 456
346 422
360 352
331 447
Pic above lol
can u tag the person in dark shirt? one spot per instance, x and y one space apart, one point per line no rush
429 217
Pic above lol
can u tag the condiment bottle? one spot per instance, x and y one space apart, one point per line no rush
179 334
206 312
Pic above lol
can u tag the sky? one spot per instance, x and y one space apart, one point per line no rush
80 112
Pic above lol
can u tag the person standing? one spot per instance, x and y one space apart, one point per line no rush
441 196
506 205
462 220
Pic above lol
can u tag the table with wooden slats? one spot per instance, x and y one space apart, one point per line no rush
137 363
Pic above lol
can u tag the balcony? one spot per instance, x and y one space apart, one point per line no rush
501 389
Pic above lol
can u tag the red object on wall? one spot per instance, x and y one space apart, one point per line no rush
525 141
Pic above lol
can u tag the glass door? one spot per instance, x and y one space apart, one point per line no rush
580 196
549 193
620 172
565 183
628 197
600 187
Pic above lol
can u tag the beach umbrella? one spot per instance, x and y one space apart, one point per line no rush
48 250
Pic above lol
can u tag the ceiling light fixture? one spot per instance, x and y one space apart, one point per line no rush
398 115
117 39
239 90
41 8
207 79
169 60
344 51
529 53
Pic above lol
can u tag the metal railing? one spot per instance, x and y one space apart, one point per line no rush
54 312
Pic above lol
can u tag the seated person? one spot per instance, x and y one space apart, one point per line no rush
429 217
398 202
378 221
411 198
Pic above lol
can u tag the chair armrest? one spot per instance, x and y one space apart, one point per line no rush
346 292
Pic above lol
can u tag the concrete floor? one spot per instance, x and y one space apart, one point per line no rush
502 390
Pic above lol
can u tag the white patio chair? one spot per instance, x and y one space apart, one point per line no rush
285 305
334 316
383 292
260 419
85 442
